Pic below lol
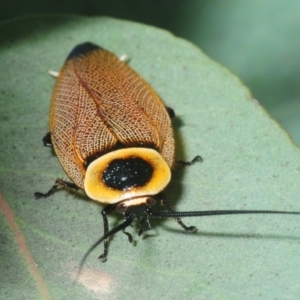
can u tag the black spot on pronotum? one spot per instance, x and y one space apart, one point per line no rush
122 174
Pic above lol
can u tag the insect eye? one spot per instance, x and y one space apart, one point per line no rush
150 201
121 207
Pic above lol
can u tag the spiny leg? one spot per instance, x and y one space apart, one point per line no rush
166 202
168 206
107 210
59 184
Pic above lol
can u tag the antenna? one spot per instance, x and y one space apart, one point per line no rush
207 213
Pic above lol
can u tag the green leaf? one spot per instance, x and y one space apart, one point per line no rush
259 41
249 163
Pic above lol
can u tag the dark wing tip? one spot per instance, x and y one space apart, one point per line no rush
82 49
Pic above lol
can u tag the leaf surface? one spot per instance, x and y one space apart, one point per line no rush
249 163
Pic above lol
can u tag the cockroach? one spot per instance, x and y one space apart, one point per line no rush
114 139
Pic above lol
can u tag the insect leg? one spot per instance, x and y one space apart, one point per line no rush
107 210
59 184
168 206
130 239
170 111
189 163
143 229
47 140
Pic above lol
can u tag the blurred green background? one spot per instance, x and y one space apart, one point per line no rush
257 39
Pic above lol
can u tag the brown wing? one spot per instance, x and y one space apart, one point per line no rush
99 101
